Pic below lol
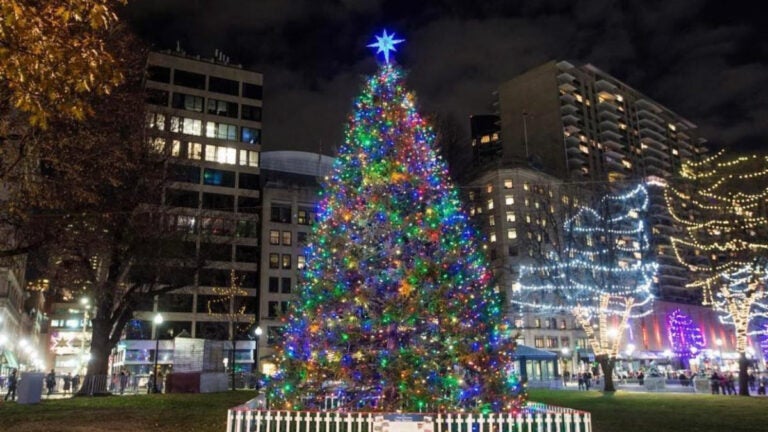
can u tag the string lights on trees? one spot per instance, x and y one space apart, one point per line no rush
396 309
685 337
601 275
721 208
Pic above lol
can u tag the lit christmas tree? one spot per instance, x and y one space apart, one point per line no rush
396 309
721 208
602 274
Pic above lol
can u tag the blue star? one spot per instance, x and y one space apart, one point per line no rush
385 44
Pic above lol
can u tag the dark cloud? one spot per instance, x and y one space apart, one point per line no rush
706 60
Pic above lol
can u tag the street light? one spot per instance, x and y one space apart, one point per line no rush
157 320
86 303
257 332
565 351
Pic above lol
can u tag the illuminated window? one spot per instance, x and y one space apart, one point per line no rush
493 238
287 238
526 186
221 131
510 217
301 261
286 261
491 220
249 158
508 184
511 233
176 148
485 139
195 151
274 260
490 204
274 237
509 200
489 188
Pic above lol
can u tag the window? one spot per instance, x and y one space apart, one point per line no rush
565 341
220 202
248 181
493 238
223 85
274 261
216 251
287 238
489 188
511 234
246 228
216 226
222 108
187 102
216 177
274 237
189 79
301 237
156 97
563 326
252 91
184 173
195 151
510 217
249 158
490 204
537 322
304 216
538 342
274 284
182 223
221 131
509 200
280 213
186 126
526 186
159 74
156 121
275 335
248 205
250 135
276 309
251 112
507 183
248 254
491 220
285 285
301 261
286 261
181 198
176 148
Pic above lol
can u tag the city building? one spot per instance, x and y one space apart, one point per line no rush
291 183
206 115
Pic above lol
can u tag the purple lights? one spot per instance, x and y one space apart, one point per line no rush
685 336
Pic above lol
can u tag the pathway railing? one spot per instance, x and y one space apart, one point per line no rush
535 418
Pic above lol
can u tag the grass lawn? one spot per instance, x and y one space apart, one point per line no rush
621 412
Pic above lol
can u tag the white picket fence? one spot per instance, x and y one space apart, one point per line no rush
535 418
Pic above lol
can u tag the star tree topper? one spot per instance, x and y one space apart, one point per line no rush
385 43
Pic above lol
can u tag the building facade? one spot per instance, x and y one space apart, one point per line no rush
205 114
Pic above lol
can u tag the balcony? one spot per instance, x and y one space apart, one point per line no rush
567 87
609 125
645 104
573 150
648 115
565 77
607 114
650 124
614 163
648 132
610 134
652 150
612 144
571 130
567 108
614 154
652 142
567 99
603 85
570 119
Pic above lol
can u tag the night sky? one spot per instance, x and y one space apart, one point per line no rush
705 60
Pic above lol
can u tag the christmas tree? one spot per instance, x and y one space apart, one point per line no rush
396 310
602 273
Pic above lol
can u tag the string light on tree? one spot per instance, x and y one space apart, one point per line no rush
721 210
685 336
602 273
396 309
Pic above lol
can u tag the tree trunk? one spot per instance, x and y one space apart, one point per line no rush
232 371
743 375
96 379
606 364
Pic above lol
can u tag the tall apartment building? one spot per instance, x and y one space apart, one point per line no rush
291 185
581 125
206 113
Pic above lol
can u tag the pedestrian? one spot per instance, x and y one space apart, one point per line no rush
581 381
50 381
75 383
714 382
123 381
641 378
67 382
12 380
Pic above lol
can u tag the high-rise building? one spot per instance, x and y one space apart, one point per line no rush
583 126
206 115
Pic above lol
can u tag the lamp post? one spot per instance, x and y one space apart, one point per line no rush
157 320
565 351
257 332
86 303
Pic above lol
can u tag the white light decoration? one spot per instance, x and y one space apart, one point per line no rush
602 275
721 208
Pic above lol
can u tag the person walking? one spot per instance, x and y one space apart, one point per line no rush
123 381
75 383
50 381
12 380
67 382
